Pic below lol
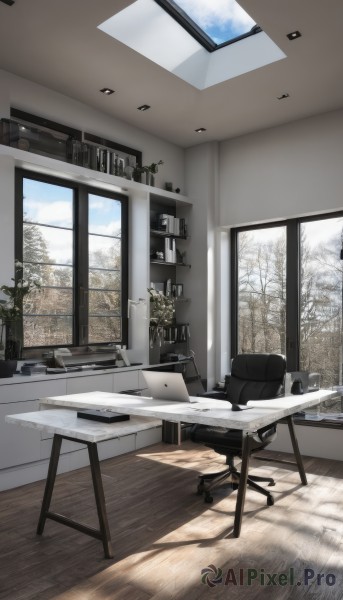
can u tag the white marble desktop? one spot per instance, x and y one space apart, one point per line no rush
203 411
65 422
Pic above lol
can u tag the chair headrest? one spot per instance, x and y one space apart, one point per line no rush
259 367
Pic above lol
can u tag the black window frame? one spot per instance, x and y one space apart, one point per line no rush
292 282
195 31
80 262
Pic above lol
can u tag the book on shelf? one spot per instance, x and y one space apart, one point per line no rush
170 224
170 250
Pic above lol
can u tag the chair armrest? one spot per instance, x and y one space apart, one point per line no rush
220 394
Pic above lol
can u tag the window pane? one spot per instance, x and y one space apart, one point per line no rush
48 253
104 302
109 280
53 245
104 329
104 216
104 252
321 299
221 21
104 273
50 275
48 331
51 301
47 203
262 290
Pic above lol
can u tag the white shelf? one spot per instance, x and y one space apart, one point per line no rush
66 170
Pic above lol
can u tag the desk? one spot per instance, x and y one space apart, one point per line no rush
204 411
65 425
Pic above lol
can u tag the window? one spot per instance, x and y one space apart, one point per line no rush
321 288
212 23
262 290
75 240
287 293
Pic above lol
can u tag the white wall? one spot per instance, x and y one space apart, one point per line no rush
283 172
202 185
38 100
313 441
287 171
28 96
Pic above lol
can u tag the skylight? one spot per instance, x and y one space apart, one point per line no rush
213 23
148 28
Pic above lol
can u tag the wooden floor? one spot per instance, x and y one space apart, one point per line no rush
164 535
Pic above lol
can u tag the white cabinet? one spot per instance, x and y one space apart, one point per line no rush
24 452
126 380
91 383
32 390
18 445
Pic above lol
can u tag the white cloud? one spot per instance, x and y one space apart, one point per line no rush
111 228
57 212
218 13
60 244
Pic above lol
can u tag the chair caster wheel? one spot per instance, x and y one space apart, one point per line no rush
208 498
270 501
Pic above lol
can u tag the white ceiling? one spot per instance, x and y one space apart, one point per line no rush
56 43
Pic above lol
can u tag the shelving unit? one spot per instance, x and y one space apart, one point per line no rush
170 276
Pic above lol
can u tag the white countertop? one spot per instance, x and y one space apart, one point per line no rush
65 422
203 411
18 378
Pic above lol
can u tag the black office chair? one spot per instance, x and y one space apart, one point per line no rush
253 377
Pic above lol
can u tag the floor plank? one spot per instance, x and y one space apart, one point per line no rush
164 535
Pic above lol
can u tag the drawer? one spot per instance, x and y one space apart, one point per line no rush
91 383
126 381
19 392
18 445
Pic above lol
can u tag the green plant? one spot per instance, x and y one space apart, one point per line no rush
11 309
162 309
153 168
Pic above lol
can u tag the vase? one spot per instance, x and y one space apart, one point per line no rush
7 368
155 343
150 178
2 341
155 354
13 345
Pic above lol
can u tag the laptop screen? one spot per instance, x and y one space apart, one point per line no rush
167 386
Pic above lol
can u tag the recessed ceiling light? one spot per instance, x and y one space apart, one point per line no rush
294 35
143 107
283 96
200 130
107 91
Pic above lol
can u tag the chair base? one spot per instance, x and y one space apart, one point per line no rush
212 480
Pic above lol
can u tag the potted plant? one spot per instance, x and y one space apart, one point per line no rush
11 310
149 170
162 310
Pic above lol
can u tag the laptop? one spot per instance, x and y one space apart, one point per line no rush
167 386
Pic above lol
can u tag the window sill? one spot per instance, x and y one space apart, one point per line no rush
331 423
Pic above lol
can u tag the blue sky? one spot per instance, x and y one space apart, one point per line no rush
222 20
52 205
